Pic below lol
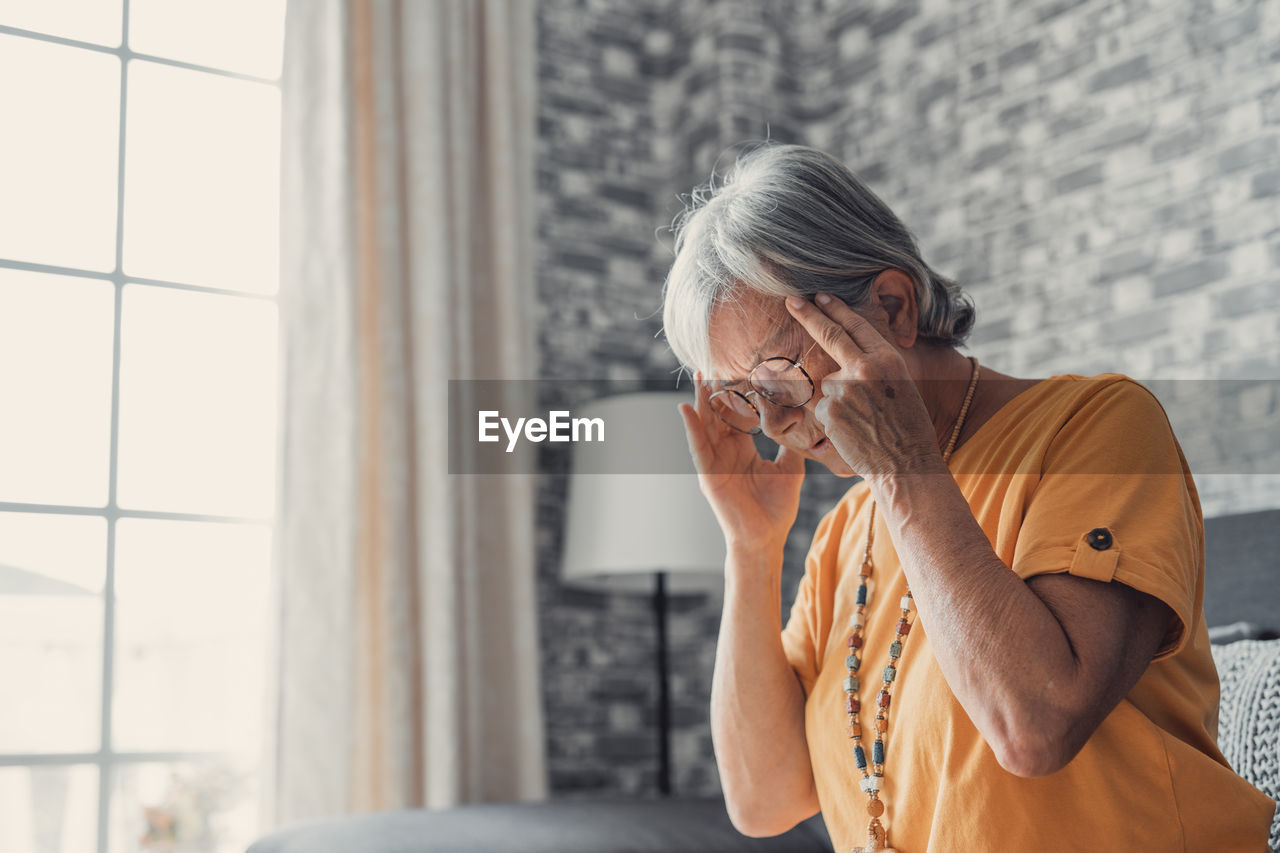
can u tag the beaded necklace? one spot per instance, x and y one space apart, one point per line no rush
872 780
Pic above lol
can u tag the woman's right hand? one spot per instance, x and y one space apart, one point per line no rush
754 499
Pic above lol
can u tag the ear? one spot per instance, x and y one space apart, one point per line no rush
894 298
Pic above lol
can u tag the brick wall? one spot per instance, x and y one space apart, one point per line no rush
1100 175
1103 176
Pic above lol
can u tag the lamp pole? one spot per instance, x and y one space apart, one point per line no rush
644 472
664 694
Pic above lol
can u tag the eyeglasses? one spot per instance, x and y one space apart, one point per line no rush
779 380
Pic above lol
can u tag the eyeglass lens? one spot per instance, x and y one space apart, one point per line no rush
736 410
782 382
779 380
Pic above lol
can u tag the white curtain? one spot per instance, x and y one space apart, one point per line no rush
407 667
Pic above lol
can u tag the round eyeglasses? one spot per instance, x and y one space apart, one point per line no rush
780 381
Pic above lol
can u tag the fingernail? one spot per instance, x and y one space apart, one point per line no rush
795 301
823 299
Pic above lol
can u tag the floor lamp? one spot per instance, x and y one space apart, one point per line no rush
638 523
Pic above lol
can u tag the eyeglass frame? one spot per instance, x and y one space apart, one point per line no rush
796 363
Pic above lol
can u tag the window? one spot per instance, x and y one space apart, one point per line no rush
139 208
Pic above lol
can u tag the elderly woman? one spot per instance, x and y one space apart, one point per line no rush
998 643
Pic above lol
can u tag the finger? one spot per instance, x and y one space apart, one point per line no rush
699 447
828 334
713 425
710 425
865 335
701 395
702 403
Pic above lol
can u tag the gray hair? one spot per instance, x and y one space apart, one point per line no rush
789 220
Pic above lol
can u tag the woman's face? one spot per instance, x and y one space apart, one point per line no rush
758 327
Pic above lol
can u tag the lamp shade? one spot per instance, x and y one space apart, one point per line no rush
626 522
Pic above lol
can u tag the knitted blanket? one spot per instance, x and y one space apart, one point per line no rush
1249 715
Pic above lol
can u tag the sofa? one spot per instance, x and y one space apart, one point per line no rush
1242 598
570 826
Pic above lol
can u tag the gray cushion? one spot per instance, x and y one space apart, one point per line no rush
1249 715
577 826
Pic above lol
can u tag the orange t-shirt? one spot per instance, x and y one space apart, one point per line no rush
1066 456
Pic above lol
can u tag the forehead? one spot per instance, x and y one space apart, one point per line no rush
744 332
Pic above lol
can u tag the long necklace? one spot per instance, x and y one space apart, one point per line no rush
873 778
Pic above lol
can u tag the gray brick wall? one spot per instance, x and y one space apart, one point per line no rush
1101 174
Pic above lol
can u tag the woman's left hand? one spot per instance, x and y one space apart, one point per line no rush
870 407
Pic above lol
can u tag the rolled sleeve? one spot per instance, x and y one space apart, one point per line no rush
1116 502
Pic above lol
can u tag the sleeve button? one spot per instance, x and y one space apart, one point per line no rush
1099 538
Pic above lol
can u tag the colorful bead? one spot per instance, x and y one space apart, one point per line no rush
853 662
871 782
852 705
851 684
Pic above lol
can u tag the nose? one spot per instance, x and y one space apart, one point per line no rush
775 420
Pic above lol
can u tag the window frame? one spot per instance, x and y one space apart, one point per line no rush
106 758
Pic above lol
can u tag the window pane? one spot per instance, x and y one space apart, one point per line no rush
96 21
202 179
239 35
49 809
52 569
58 167
197 402
183 807
191 637
55 381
